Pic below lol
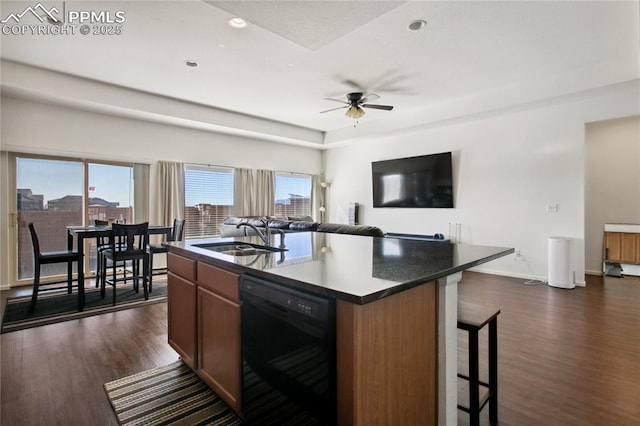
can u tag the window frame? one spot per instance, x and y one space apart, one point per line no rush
309 177
221 211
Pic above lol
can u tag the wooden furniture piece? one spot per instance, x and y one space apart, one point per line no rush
42 258
204 314
101 244
152 249
204 324
388 345
622 247
82 233
472 318
219 334
126 243
181 307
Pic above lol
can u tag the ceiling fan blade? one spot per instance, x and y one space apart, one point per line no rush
369 97
337 100
334 109
352 83
374 106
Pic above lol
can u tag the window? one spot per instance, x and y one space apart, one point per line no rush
293 194
51 193
208 199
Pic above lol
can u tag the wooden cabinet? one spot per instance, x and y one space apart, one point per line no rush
219 357
386 362
622 247
204 324
181 291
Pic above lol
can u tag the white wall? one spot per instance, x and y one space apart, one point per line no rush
34 127
612 181
507 168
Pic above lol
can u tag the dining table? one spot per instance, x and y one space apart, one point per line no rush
81 233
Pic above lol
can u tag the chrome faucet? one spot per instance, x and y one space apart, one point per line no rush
264 236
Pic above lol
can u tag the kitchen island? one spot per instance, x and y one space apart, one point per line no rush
395 316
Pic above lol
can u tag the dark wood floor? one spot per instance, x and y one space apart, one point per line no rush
566 357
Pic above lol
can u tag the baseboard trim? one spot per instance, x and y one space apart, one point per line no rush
542 280
507 274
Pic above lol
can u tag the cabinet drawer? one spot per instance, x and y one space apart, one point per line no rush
218 280
186 268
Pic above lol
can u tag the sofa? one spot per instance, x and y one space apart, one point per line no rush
229 228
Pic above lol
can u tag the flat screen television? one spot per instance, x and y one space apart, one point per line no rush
425 181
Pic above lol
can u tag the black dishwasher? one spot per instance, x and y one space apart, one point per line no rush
288 354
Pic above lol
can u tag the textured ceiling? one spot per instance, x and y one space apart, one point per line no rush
471 57
307 23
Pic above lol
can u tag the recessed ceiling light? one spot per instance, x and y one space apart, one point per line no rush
417 25
191 63
236 22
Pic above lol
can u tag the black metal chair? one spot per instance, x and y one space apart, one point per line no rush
176 235
102 243
127 243
48 257
472 318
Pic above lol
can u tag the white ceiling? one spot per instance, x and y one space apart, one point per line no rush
293 54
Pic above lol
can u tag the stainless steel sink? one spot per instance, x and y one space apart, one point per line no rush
239 249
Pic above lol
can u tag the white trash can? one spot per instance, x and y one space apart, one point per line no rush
560 273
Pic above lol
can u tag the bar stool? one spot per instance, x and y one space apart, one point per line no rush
472 318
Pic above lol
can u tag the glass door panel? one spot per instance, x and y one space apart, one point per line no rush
49 194
110 198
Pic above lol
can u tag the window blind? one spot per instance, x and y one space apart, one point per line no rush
208 199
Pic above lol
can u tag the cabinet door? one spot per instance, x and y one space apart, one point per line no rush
182 317
613 246
219 362
629 252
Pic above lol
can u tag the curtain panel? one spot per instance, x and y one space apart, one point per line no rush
317 199
140 192
254 192
170 192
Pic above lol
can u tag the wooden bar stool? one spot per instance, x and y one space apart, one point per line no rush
473 318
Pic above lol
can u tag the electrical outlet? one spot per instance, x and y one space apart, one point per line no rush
518 256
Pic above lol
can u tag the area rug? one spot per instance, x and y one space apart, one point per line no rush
53 308
172 394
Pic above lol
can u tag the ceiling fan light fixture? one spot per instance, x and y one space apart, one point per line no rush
354 112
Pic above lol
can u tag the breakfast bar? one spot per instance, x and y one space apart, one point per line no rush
385 310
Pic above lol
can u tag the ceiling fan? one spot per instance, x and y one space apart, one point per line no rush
355 103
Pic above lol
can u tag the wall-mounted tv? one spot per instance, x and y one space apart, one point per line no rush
425 181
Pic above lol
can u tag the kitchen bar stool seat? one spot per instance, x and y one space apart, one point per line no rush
472 318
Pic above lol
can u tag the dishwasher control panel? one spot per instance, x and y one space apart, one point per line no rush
285 298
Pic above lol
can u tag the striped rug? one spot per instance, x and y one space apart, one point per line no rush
169 395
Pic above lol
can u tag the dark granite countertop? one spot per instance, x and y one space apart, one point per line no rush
357 269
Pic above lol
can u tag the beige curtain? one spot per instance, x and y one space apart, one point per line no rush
170 192
318 199
140 193
242 192
254 192
265 192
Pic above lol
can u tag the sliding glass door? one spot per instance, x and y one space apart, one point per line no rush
109 198
51 193
48 193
